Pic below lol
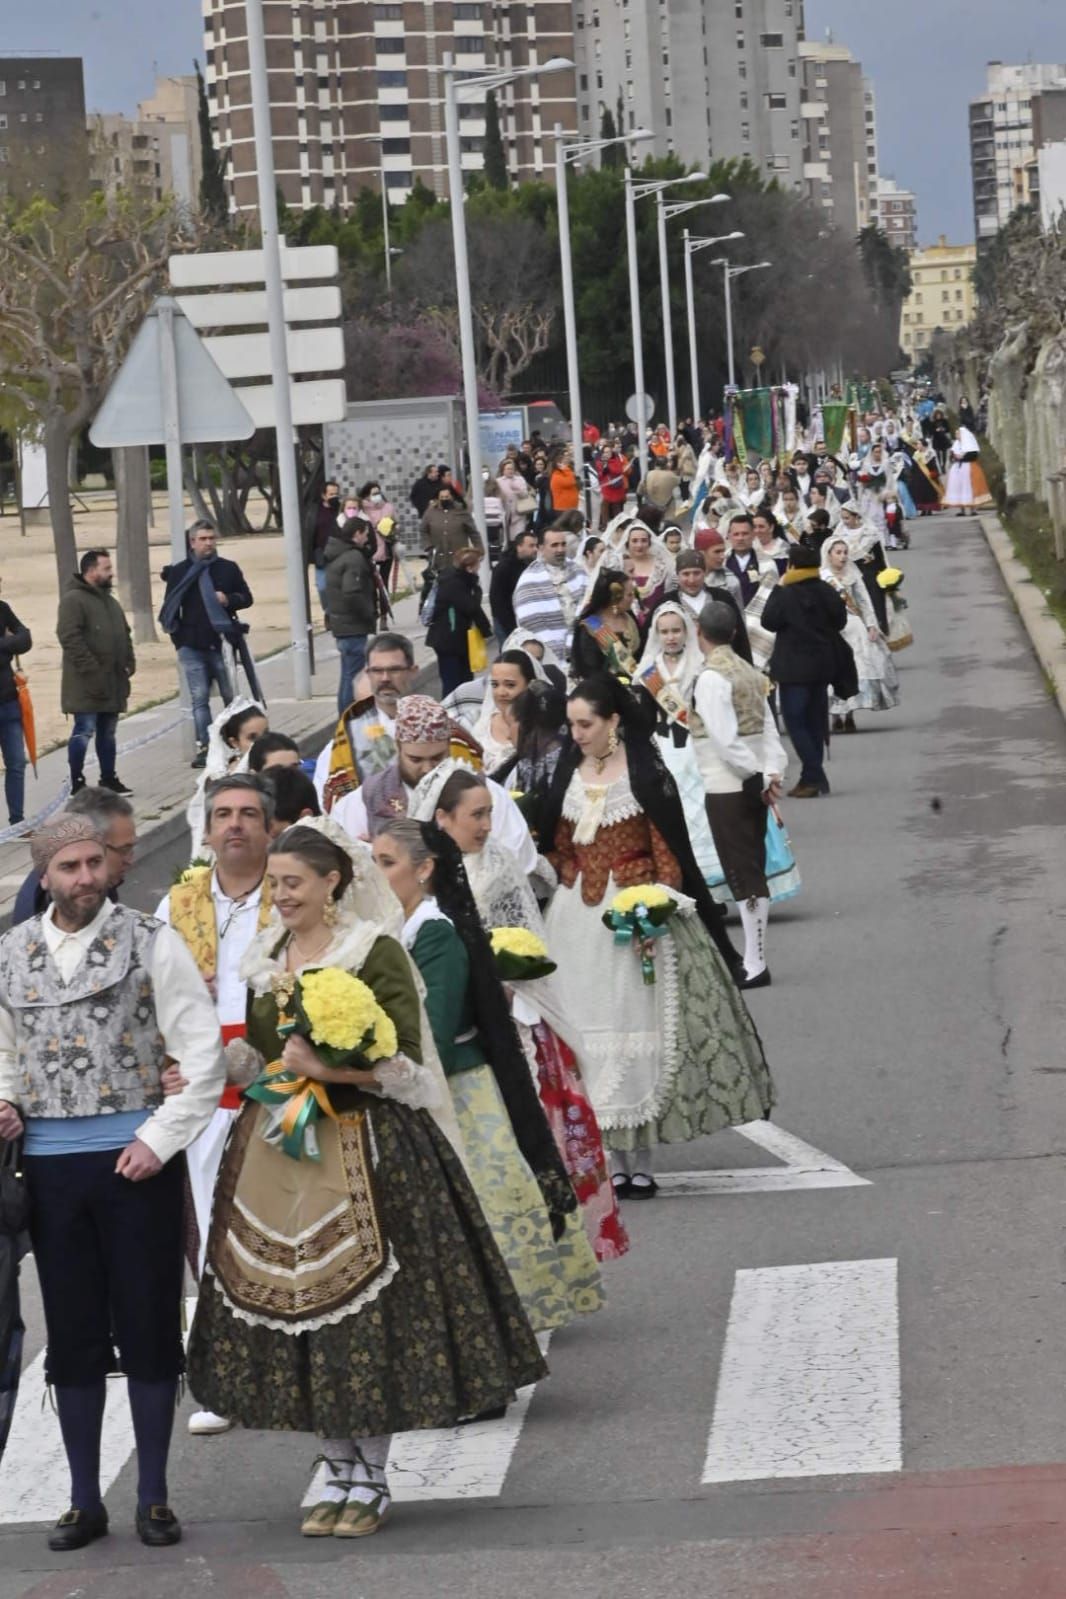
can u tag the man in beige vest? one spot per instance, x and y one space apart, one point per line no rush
743 765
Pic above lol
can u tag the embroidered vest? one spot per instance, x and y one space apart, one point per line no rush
92 1046
192 915
385 798
748 686
361 746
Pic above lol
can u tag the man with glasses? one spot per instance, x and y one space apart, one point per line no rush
218 911
115 821
363 741
204 594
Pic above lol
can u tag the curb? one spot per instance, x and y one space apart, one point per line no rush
1044 629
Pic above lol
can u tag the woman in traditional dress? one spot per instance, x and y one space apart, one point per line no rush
546 664
512 1158
510 675
679 1058
361 1294
229 738
967 488
667 670
878 678
461 806
653 571
540 724
606 634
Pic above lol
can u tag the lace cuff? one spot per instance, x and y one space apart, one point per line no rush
243 1063
400 1079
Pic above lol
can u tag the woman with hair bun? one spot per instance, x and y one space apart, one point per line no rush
666 1061
606 635
514 1164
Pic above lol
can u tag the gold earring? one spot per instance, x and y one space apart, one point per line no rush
330 912
612 741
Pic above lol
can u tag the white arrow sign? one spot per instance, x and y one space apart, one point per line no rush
804 1167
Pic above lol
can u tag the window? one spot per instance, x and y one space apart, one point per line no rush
467 13
3 155
398 113
958 273
3 86
777 102
772 41
36 83
740 41
599 80
24 116
389 13
745 131
469 44
958 294
669 117
392 80
584 81
390 47
21 84
38 116
390 147
471 144
739 10
743 99
397 180
3 119
742 69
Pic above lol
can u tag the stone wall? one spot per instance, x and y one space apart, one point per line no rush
1027 411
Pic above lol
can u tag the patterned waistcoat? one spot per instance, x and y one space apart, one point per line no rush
91 1046
748 686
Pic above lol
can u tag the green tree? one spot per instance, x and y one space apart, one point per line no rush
214 202
495 160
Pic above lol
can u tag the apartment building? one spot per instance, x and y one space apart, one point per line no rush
839 115
43 145
357 92
155 153
895 212
942 294
1002 151
718 81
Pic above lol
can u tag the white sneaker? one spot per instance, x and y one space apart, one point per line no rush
204 1422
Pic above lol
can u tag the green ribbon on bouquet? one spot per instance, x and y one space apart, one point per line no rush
636 924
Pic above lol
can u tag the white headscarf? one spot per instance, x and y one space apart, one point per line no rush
850 573
683 672
219 756
520 639
969 445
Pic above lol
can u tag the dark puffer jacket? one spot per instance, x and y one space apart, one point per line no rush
97 645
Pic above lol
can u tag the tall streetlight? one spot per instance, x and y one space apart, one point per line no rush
664 213
379 140
462 84
569 150
691 246
732 272
635 192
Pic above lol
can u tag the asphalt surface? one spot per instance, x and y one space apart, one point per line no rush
914 1025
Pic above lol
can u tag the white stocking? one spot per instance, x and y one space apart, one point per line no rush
339 1457
754 915
633 1160
371 1458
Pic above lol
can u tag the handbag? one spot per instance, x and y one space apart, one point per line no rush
900 633
476 650
525 504
428 608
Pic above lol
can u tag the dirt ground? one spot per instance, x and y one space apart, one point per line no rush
29 585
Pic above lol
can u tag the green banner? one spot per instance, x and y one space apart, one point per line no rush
834 424
756 421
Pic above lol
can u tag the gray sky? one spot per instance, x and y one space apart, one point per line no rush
926 60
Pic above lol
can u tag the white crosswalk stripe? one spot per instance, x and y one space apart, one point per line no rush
802 1167
809 1383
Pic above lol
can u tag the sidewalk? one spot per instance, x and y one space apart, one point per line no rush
153 761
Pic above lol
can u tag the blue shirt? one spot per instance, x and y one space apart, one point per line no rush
78 1135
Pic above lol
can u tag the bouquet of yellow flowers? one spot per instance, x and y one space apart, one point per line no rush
337 1013
520 955
638 916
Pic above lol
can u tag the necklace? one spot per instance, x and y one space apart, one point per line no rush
600 761
305 960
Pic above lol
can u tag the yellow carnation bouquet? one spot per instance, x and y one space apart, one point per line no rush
638 916
520 955
337 1013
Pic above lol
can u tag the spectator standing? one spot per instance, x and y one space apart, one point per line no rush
424 490
614 485
505 575
14 640
457 610
565 485
204 593
325 521
448 526
518 503
550 592
379 511
351 600
98 662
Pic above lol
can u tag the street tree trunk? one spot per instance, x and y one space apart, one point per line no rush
57 435
132 550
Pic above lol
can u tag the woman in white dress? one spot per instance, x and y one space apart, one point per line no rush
878 678
967 486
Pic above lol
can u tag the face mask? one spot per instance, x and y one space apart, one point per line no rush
376 499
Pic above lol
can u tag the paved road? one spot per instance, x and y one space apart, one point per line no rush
842 1380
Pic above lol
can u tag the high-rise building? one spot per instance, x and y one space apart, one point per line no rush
942 294
895 211
713 82
357 92
1001 141
155 153
840 134
1047 175
43 144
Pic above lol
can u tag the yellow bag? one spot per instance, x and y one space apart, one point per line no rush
476 651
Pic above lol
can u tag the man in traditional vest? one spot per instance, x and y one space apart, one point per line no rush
363 742
94 999
742 764
217 911
426 737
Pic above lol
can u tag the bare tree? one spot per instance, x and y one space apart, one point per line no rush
76 279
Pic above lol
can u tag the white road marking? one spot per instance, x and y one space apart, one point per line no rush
34 1480
804 1167
453 1463
809 1384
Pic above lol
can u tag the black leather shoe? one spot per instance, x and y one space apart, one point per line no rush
645 1188
621 1184
761 981
76 1528
158 1527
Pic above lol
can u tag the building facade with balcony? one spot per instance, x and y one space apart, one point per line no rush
942 294
895 211
1002 151
157 152
840 134
43 144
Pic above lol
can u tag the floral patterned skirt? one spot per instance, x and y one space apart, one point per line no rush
577 1133
557 1279
444 1337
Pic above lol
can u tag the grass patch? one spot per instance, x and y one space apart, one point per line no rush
1028 524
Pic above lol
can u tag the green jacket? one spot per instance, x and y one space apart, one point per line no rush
441 957
97 645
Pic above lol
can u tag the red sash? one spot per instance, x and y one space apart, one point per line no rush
231 1094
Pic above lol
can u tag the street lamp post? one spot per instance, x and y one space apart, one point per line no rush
691 246
731 272
479 83
665 212
635 192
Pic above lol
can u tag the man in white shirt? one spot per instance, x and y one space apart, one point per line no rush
94 999
426 736
217 912
743 764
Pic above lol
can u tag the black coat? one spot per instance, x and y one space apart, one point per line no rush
458 608
194 629
14 640
808 617
351 593
505 575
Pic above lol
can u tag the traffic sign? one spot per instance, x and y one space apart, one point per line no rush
640 408
134 410
212 269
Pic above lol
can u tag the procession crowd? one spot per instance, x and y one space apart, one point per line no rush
400 1044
